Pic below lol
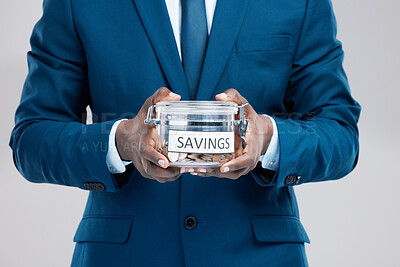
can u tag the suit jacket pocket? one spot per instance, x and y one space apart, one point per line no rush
104 229
278 229
259 43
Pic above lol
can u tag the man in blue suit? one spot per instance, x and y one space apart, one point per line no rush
282 57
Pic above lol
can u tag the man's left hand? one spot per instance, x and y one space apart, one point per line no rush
258 136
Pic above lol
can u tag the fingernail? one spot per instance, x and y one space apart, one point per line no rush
191 170
223 95
161 163
173 94
193 173
226 169
203 170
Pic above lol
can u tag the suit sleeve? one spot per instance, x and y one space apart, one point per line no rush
51 142
318 135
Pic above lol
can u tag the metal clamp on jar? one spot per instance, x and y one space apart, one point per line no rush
197 133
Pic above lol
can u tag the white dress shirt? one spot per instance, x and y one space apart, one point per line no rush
115 165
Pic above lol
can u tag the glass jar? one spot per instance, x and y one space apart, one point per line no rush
196 133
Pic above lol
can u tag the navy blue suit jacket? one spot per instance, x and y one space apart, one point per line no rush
282 56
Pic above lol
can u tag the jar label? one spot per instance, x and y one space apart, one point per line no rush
201 142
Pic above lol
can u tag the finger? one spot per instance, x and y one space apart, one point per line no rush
245 161
231 95
202 171
139 166
154 172
164 94
149 153
209 172
165 180
161 174
190 170
229 175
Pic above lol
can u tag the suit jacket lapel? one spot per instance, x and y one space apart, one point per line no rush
155 18
228 18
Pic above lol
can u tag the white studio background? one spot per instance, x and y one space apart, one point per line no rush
351 222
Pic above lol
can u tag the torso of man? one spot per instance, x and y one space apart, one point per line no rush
281 56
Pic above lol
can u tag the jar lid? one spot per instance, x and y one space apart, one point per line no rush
202 113
197 107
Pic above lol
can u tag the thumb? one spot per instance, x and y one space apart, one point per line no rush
231 95
164 94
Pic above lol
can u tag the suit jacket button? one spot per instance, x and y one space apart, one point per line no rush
88 186
99 187
94 186
190 222
292 179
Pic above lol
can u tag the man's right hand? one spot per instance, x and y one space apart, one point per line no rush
136 142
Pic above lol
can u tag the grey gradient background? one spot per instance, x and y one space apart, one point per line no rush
351 222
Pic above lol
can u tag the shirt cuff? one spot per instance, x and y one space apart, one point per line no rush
270 160
114 162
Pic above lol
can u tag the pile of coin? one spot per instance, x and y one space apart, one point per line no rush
192 157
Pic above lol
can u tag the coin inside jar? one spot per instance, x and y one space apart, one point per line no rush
190 158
